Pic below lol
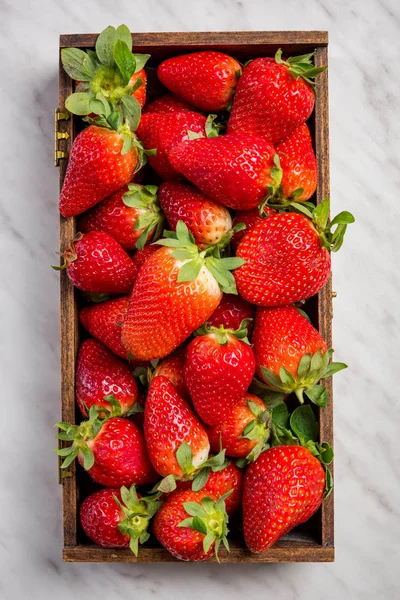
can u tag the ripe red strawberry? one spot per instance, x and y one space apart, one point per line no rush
171 367
131 216
140 92
140 256
219 368
104 322
287 256
118 518
176 291
206 220
291 355
282 488
176 440
230 312
191 525
163 131
234 170
167 103
274 97
249 218
112 451
96 263
299 165
103 379
205 79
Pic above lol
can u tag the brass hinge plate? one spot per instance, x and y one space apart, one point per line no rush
59 135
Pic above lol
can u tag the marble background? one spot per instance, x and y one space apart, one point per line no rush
364 91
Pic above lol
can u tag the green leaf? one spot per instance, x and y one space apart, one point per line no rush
189 271
125 60
304 366
141 60
132 111
194 509
167 485
182 254
88 457
270 378
79 103
208 540
304 424
286 377
77 64
194 135
64 451
280 414
231 263
316 362
344 217
299 207
328 482
326 452
134 545
254 408
333 367
123 34
201 479
321 214
184 456
212 128
318 395
199 525
105 46
186 523
70 458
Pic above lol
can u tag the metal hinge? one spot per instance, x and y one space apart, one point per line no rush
58 135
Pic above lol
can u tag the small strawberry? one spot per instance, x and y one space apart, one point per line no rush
140 256
205 79
96 263
274 96
172 367
249 218
140 92
282 488
163 131
132 216
167 103
191 525
111 450
235 170
176 440
104 380
104 322
176 291
118 518
206 220
230 312
219 368
287 256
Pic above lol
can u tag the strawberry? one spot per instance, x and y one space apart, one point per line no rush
162 131
176 291
104 322
167 103
299 165
176 440
96 263
230 312
282 488
131 216
111 450
140 256
191 525
249 218
118 518
274 97
171 367
103 379
140 92
234 170
206 220
219 368
287 257
205 79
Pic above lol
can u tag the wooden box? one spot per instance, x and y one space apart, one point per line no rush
315 541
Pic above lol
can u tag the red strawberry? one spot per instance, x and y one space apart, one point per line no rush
249 218
97 167
287 256
131 216
96 263
167 103
234 170
205 79
171 367
140 92
117 518
231 311
103 379
282 488
176 440
274 97
191 525
175 292
291 355
299 165
104 322
112 451
206 220
140 256
219 368
163 131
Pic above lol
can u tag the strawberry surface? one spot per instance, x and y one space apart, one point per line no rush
167 103
230 312
249 218
172 367
298 163
100 516
104 322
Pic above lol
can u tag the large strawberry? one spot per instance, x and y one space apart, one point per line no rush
287 256
206 220
131 216
299 165
167 103
96 263
163 131
249 218
282 488
118 518
236 170
274 96
231 311
205 79
176 291
191 525
219 368
111 450
104 322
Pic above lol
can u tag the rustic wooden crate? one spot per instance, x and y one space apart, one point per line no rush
315 541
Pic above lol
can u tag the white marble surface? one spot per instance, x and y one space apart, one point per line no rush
364 90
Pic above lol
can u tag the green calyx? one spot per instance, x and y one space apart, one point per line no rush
222 334
208 517
310 371
185 250
151 218
116 408
80 436
300 66
276 198
138 513
258 429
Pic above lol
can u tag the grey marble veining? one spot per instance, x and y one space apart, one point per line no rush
364 100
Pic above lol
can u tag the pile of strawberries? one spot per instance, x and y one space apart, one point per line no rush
192 272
